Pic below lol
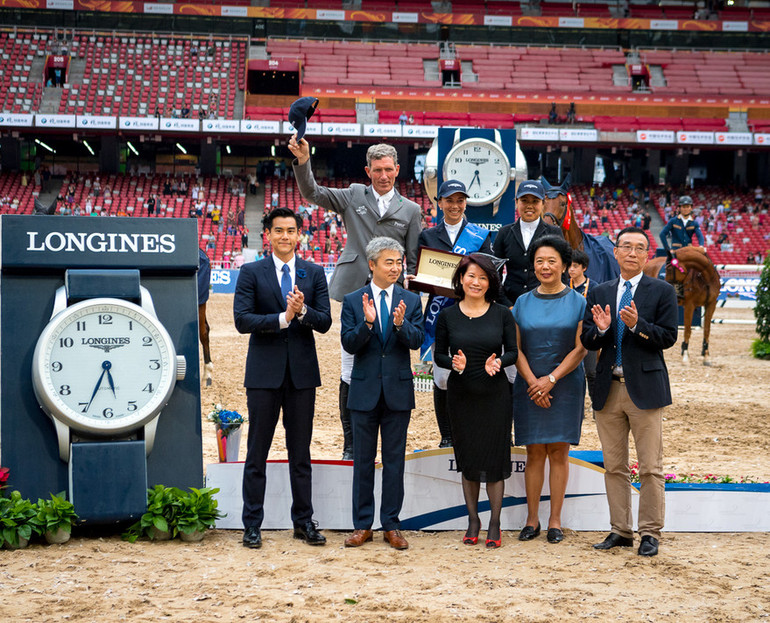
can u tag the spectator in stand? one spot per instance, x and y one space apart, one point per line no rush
244 237
194 192
411 119
274 197
183 188
646 218
571 113
151 205
167 187
402 118
553 116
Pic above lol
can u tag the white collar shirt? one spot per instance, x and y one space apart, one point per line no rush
528 231
383 201
284 324
388 300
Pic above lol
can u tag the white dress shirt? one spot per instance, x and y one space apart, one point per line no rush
452 231
528 230
383 201
388 300
279 275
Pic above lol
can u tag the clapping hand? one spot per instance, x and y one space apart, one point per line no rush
629 315
295 300
398 313
602 317
370 313
492 365
459 361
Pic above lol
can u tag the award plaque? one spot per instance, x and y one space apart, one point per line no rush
435 269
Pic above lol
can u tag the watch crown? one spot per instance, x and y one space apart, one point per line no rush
181 367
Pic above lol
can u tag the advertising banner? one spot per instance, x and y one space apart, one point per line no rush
762 139
539 134
16 119
341 129
734 138
260 127
220 125
741 288
655 136
138 123
419 131
179 125
99 122
311 127
695 138
382 129
55 121
578 134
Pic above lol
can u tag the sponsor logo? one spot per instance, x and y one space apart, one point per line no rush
71 242
220 277
105 343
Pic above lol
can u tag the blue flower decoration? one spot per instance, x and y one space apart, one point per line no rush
301 273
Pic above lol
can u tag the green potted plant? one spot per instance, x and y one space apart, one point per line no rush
159 521
18 521
56 517
197 512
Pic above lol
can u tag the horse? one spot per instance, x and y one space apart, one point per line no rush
204 280
691 271
602 265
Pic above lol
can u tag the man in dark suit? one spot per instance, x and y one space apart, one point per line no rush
513 240
381 323
377 209
455 234
280 300
632 320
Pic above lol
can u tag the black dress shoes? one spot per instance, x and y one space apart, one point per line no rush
555 535
648 546
308 532
528 532
614 540
252 537
445 442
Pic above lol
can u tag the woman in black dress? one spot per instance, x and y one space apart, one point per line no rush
476 339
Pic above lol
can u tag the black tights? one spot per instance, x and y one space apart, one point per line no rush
495 492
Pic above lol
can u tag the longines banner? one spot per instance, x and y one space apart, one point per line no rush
128 242
434 501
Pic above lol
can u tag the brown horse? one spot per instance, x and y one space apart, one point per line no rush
204 281
697 281
602 265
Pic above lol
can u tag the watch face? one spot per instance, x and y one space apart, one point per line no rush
482 166
104 366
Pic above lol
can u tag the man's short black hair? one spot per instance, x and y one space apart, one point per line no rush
267 220
631 230
580 257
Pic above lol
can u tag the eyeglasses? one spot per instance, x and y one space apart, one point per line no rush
627 248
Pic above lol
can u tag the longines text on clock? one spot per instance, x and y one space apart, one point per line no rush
98 242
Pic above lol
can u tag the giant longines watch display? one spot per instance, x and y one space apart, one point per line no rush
104 367
482 165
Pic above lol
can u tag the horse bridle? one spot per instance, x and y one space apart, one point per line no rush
565 221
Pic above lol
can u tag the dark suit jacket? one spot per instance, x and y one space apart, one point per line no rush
381 368
644 367
256 307
520 276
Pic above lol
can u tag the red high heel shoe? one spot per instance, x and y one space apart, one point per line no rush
470 540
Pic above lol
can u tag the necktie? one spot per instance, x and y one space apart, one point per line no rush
625 300
384 313
383 206
285 282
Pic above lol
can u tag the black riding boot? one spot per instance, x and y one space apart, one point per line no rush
442 417
347 428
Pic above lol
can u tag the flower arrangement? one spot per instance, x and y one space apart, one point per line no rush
4 474
225 420
695 478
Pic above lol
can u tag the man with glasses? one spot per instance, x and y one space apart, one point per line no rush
632 320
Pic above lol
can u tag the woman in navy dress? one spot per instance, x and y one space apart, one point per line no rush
549 390
476 339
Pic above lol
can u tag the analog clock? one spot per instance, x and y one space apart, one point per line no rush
482 166
104 367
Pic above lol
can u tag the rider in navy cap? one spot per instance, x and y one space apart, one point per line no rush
301 110
530 187
450 187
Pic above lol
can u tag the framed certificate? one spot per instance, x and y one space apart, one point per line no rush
435 269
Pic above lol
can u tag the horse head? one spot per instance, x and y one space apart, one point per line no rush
558 203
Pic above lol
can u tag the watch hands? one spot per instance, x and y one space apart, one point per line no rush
475 179
109 379
96 389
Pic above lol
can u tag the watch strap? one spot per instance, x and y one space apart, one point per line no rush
83 284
